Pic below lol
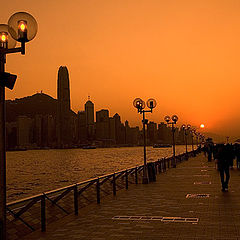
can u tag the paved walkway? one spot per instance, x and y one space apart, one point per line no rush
218 214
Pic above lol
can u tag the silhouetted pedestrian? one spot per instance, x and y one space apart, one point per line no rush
210 151
237 154
215 152
223 166
205 149
230 154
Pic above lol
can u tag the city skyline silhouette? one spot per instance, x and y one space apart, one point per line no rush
40 121
184 54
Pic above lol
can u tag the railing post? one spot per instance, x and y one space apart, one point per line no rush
43 213
155 167
159 166
174 161
136 176
114 184
98 191
126 176
76 199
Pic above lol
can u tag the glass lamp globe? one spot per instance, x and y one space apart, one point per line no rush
22 26
6 40
175 118
151 103
183 126
139 103
167 119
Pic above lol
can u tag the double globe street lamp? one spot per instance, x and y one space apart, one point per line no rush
140 105
186 129
193 131
22 28
201 138
172 123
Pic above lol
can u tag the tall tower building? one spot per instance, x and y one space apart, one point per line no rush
89 110
102 124
63 108
82 126
117 128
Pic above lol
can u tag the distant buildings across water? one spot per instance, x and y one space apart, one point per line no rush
40 121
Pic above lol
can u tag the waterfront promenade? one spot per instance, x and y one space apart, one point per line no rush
214 216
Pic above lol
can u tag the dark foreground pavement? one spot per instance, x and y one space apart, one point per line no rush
214 217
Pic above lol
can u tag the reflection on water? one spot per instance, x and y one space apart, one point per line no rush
35 171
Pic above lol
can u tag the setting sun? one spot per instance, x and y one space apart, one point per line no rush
202 125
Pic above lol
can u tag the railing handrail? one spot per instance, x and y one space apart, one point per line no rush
79 183
69 186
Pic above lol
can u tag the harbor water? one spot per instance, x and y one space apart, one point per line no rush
35 171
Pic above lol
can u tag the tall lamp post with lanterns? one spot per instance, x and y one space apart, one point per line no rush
202 138
172 123
140 105
186 129
21 27
197 137
193 130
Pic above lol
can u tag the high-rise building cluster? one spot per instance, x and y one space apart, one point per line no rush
40 121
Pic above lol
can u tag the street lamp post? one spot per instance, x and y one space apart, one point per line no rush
192 135
21 27
172 123
140 105
186 128
201 136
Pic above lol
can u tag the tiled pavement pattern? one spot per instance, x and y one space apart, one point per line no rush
219 215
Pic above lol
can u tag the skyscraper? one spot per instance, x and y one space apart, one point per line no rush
102 124
82 126
89 110
117 128
63 108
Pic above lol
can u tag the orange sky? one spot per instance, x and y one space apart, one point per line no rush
185 54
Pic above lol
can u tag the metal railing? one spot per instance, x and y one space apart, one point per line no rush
29 214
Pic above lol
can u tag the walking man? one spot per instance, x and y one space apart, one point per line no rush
237 154
223 166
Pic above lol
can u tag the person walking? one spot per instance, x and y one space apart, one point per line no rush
223 166
210 151
215 153
237 154
230 155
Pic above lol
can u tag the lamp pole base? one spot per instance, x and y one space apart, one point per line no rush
145 180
